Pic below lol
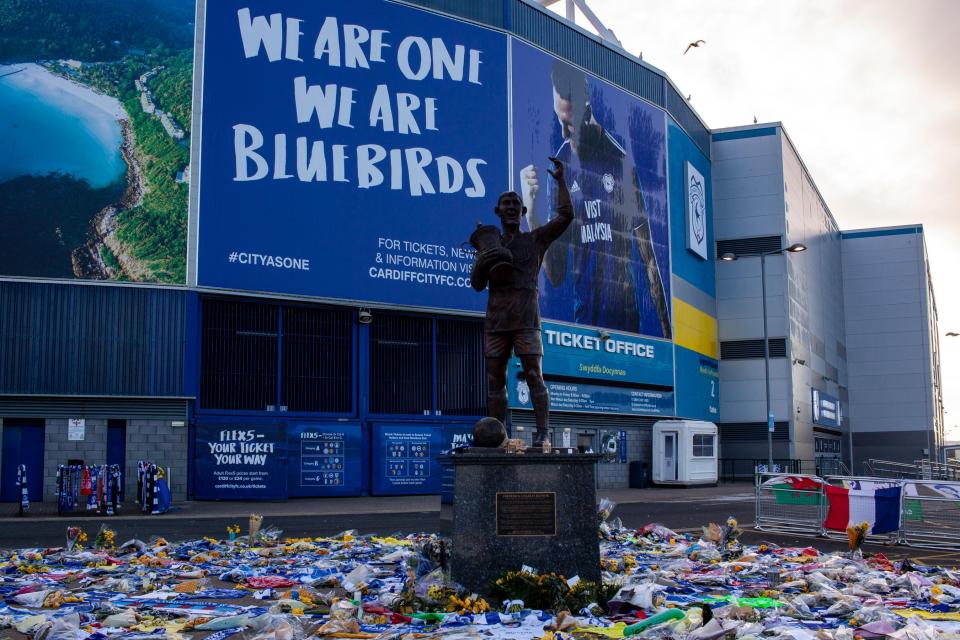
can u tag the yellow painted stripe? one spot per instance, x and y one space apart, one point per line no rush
694 329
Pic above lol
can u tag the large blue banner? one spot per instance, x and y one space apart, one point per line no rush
348 149
240 460
611 268
325 459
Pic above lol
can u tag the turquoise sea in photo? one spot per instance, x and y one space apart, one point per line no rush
51 125
60 164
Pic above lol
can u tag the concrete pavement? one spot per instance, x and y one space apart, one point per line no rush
676 508
684 510
730 493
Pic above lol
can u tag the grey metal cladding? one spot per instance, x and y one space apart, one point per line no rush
76 339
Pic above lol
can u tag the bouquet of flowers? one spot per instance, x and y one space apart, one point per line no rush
856 534
105 538
75 538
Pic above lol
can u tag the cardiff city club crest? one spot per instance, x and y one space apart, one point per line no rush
608 182
696 212
698 208
523 392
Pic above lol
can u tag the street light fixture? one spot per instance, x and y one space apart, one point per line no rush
797 247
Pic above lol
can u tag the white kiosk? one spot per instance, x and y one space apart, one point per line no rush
684 452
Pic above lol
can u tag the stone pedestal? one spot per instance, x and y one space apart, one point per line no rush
534 509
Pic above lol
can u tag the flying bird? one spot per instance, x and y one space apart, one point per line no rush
952 334
693 45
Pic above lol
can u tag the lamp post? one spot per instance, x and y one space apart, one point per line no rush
730 257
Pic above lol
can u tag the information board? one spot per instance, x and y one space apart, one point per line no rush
594 398
404 459
325 459
405 456
240 460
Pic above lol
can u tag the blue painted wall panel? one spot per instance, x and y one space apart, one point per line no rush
698 272
698 386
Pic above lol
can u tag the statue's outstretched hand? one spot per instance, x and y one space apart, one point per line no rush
529 185
557 172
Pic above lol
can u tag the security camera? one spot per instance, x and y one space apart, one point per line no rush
365 316
604 336
800 361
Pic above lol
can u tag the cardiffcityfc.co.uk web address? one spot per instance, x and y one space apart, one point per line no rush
265 260
405 275
235 485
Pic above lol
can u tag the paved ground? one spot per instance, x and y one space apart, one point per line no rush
679 509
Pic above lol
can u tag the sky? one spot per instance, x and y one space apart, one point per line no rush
869 91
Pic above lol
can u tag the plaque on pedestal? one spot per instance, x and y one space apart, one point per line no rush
511 510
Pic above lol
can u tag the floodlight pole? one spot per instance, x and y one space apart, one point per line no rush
729 257
766 359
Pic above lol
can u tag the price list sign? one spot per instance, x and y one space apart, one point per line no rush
321 459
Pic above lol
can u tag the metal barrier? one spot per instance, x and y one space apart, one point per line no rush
918 470
930 514
781 508
893 537
832 467
929 510
930 470
875 468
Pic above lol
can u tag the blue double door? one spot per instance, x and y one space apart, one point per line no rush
22 444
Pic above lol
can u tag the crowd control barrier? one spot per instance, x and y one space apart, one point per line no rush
916 513
786 508
931 514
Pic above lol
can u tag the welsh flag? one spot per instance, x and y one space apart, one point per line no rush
876 503
799 490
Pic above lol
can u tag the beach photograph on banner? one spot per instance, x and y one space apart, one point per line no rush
96 111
